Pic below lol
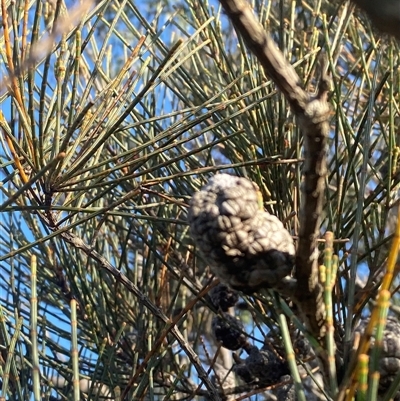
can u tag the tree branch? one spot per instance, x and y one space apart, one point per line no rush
312 116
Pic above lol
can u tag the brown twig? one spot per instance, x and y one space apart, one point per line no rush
312 116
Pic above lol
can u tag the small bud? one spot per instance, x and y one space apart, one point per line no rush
266 366
223 297
229 331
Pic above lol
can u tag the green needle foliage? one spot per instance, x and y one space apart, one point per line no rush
113 113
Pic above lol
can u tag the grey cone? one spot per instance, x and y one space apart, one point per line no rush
247 248
389 360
